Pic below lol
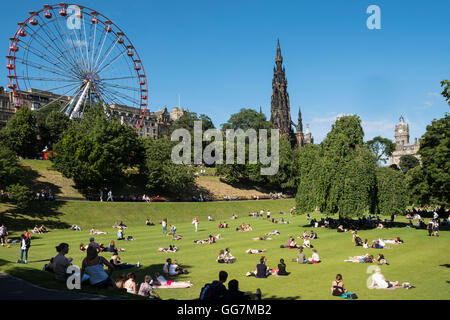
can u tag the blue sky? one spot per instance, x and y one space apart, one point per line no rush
219 56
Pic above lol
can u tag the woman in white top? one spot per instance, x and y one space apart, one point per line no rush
130 284
315 257
195 223
380 282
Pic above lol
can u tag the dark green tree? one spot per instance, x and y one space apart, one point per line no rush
392 195
21 133
247 119
445 84
435 155
408 162
10 169
97 150
20 195
417 187
382 148
162 175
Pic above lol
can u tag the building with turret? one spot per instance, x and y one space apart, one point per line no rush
402 145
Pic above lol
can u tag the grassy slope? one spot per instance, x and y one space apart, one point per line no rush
420 260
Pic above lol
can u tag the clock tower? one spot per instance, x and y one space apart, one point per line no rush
401 134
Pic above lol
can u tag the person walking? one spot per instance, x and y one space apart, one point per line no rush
164 226
3 235
25 244
195 223
101 195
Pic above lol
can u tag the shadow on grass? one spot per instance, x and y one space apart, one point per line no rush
30 178
268 297
38 213
445 265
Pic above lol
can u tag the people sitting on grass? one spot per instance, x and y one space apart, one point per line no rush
307 243
234 216
75 228
146 289
315 257
337 286
229 258
83 247
304 235
366 244
210 218
313 235
261 271
396 240
378 244
301 259
115 261
221 257
92 265
112 247
282 269
130 285
243 227
148 222
255 251
291 244
120 280
234 294
341 228
222 225
171 248
173 269
211 239
60 263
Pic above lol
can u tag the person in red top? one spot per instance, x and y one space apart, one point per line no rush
27 234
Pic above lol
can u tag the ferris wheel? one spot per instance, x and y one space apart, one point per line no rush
78 55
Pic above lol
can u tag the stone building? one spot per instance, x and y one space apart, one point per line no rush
280 112
402 144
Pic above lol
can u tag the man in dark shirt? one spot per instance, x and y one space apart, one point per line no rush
262 271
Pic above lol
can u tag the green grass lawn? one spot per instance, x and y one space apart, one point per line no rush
421 260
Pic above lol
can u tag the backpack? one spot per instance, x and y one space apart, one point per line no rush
208 291
349 295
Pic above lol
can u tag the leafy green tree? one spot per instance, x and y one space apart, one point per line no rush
186 121
20 133
408 162
20 195
340 174
392 197
10 169
162 174
435 155
446 91
382 148
51 124
247 119
417 187
97 150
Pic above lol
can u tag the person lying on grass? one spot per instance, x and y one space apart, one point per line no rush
160 282
211 239
93 231
275 232
115 261
255 251
170 249
362 259
380 282
262 238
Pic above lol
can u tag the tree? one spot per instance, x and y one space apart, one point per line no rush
391 192
21 132
417 187
97 150
10 169
339 174
20 195
51 124
162 175
435 155
408 162
186 121
446 91
247 119
382 148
